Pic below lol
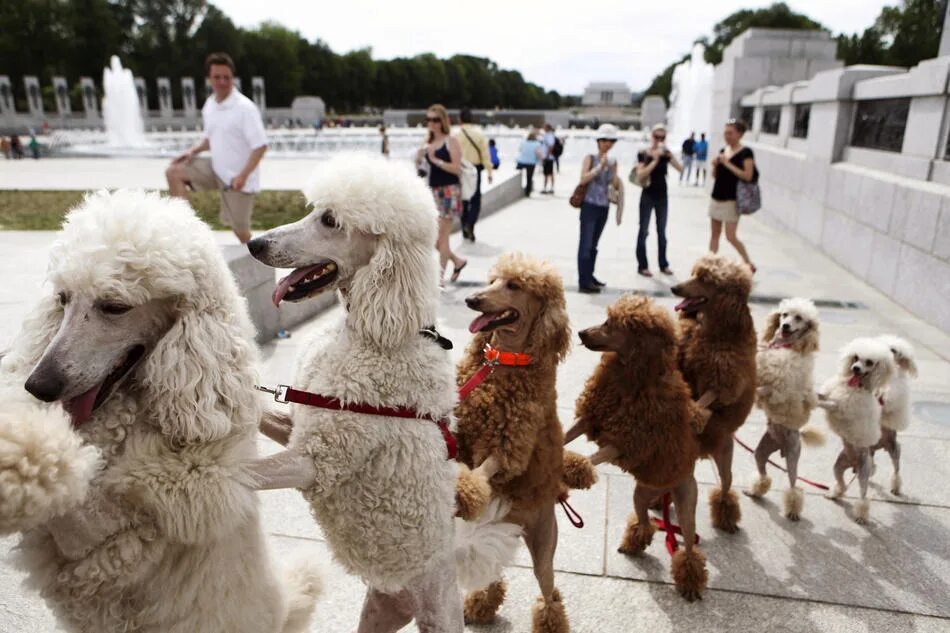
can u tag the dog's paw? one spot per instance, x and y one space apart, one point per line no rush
836 492
482 605
549 616
579 473
862 509
637 536
724 510
896 484
794 502
472 494
760 487
689 573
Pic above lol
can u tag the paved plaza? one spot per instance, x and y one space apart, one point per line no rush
822 574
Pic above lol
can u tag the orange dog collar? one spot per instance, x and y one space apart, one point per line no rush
508 359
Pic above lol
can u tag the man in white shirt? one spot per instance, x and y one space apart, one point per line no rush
234 133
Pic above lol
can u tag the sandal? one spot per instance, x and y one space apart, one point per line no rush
457 270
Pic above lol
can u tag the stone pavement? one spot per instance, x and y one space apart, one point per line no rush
823 574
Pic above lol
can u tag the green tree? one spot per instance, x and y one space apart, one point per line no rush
913 29
272 51
662 84
776 16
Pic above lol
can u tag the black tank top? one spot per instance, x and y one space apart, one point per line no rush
438 177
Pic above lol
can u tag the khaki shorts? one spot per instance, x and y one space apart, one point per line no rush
236 206
723 210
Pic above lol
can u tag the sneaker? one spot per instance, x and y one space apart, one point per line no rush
599 283
645 272
666 271
589 290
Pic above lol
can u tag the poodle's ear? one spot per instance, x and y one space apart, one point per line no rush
38 329
552 332
393 297
808 344
909 364
883 373
771 324
200 376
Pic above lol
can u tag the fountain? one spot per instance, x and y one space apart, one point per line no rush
691 98
120 107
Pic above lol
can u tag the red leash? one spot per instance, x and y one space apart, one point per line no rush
671 529
572 515
820 486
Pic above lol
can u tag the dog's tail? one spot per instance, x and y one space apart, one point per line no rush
45 467
485 546
303 587
812 436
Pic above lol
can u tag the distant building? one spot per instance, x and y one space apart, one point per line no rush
606 93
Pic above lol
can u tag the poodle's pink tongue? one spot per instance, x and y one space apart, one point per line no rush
854 381
80 407
480 322
682 305
283 286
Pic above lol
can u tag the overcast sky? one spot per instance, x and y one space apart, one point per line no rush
559 45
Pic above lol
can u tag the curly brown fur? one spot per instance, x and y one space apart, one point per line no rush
724 510
549 616
636 400
482 605
689 573
579 473
637 537
472 494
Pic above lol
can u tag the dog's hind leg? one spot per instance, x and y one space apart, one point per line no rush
794 498
724 505
889 443
385 613
689 563
548 615
842 463
482 605
767 445
640 529
863 471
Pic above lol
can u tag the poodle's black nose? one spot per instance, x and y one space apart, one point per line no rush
473 302
856 370
676 291
786 327
257 246
45 385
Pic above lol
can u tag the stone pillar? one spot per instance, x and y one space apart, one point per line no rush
257 93
90 102
34 96
61 93
165 97
142 91
7 105
945 35
188 97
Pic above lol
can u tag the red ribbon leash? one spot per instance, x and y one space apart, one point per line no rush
820 486
671 529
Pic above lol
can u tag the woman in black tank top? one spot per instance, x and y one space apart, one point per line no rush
444 155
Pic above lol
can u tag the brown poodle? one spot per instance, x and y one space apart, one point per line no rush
638 409
508 429
717 358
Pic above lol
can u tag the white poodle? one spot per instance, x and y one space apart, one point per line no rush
381 487
895 404
131 491
851 405
786 393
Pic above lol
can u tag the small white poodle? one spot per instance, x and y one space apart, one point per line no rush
851 405
895 404
131 492
381 487
785 365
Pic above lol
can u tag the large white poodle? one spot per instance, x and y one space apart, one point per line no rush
895 404
850 401
785 365
382 487
131 488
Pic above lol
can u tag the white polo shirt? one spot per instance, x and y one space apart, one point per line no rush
234 129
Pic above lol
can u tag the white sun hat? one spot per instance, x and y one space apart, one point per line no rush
607 132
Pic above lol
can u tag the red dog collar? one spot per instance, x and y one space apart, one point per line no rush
495 356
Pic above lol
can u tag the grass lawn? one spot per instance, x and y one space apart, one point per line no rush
44 210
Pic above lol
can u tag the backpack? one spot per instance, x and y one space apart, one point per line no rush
558 148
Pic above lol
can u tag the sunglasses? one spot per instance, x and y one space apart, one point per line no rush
433 119
659 138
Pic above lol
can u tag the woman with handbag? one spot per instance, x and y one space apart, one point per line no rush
736 178
593 193
443 154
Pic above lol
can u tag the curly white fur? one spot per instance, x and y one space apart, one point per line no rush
170 525
895 414
854 413
485 546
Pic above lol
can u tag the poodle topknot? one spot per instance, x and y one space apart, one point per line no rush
539 277
724 273
638 313
376 196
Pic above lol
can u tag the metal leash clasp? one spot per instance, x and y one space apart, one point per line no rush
280 393
492 355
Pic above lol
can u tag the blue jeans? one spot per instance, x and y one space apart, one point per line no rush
593 219
647 204
687 167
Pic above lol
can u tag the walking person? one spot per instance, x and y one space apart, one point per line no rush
689 151
530 153
701 148
475 150
234 132
384 141
653 164
493 153
733 163
597 172
443 154
547 163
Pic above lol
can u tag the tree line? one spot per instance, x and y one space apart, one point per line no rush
170 38
900 36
